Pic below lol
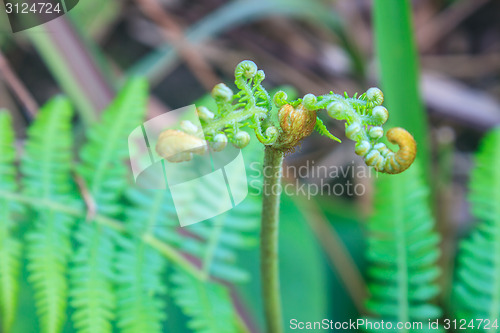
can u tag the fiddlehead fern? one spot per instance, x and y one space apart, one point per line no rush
281 125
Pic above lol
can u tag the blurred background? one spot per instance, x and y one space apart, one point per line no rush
444 87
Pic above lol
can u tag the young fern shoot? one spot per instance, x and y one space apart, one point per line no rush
280 125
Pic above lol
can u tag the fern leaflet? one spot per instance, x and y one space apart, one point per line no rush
477 287
10 246
46 167
141 305
105 175
207 303
402 251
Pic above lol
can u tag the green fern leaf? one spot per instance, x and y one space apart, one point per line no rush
46 167
402 251
106 177
10 246
141 291
207 303
219 239
476 290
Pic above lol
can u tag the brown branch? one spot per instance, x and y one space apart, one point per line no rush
17 86
174 34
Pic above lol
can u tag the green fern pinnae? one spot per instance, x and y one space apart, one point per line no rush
102 157
478 273
402 250
141 291
207 304
10 246
46 167
105 176
222 237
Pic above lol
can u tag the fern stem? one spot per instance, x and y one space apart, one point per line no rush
273 161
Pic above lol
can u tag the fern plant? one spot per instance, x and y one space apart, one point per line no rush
280 128
402 252
476 291
116 275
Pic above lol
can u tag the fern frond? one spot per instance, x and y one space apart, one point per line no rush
207 303
46 167
10 246
402 250
141 291
476 290
105 175
219 239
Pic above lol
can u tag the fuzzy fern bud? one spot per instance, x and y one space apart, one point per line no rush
188 127
336 110
220 142
222 92
241 139
352 131
380 115
176 146
205 114
376 132
375 96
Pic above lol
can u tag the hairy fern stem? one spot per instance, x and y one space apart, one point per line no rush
273 161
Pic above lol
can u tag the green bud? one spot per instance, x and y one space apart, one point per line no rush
352 131
220 142
375 96
380 114
279 98
246 68
272 133
309 101
188 127
373 158
205 114
376 132
336 110
362 148
241 139
223 92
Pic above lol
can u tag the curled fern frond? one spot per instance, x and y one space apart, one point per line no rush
253 107
105 175
402 251
46 167
476 290
10 246
208 304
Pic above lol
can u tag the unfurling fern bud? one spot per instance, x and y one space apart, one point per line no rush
189 127
246 69
352 131
204 113
176 146
220 142
376 132
241 139
222 92
375 96
385 160
362 148
380 115
336 110
296 123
